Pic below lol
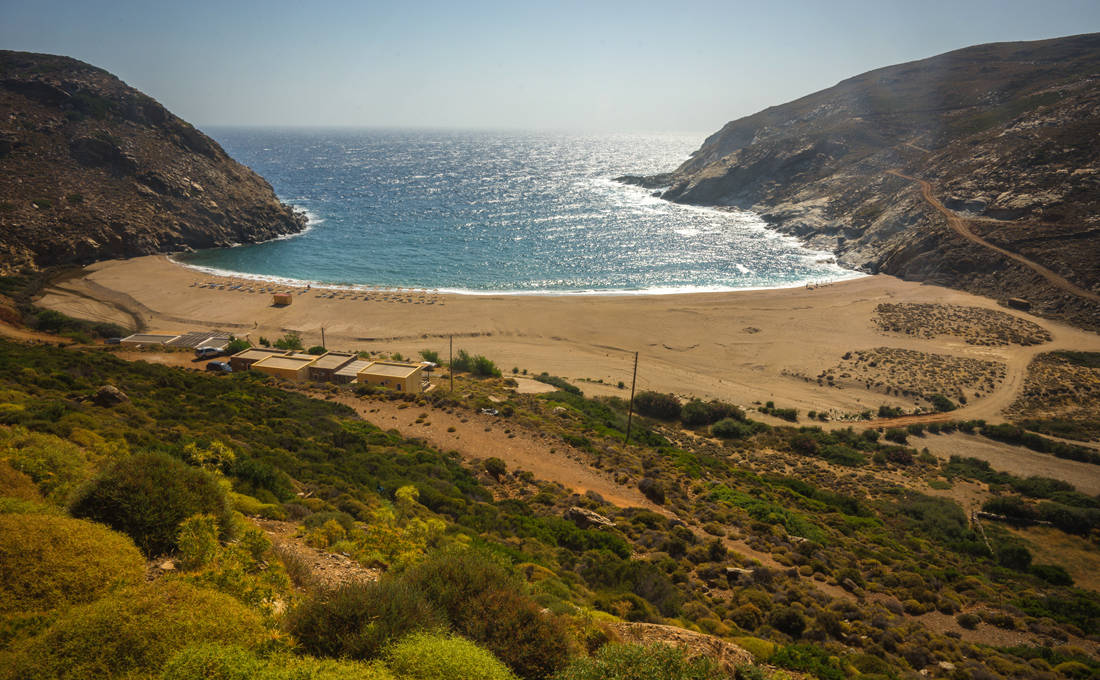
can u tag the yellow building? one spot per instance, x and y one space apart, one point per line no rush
290 366
243 360
396 376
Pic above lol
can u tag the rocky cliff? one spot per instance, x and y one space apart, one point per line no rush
1006 135
93 169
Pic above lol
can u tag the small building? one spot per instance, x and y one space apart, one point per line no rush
286 366
349 372
325 367
243 360
282 299
396 376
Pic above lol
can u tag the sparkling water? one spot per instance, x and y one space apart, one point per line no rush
501 212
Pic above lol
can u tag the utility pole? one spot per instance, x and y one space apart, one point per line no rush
451 360
630 413
322 336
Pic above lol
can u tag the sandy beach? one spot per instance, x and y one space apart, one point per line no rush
745 347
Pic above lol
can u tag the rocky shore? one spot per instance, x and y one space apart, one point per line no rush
95 170
1006 135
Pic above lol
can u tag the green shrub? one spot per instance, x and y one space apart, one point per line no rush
454 577
213 661
697 413
560 383
657 405
48 562
147 496
496 467
429 656
942 403
316 350
133 632
1054 574
430 355
634 662
728 428
478 365
515 630
897 435
55 465
357 620
968 620
652 489
198 540
15 484
788 620
237 345
289 341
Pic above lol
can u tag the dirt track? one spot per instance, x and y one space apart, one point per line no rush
959 225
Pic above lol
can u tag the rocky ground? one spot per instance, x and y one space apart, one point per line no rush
975 325
1058 387
911 373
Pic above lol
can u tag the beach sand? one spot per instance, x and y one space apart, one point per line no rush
744 347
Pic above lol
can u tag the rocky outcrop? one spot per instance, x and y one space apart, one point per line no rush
1007 134
94 169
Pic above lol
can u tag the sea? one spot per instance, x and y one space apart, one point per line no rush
535 213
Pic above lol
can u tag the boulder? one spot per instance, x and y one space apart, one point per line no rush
586 518
109 395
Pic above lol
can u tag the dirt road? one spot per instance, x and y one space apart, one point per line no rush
960 226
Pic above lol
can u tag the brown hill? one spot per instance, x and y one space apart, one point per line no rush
1006 135
94 169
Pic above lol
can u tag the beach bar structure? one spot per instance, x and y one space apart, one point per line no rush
396 376
325 367
287 366
282 299
149 339
243 360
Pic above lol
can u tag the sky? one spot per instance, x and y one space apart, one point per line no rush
598 65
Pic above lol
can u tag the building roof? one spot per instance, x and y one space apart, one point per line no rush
284 363
390 369
333 360
196 339
354 367
257 353
151 338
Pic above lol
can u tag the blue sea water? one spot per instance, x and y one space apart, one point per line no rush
501 212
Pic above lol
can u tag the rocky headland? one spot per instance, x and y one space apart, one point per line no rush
94 169
1006 137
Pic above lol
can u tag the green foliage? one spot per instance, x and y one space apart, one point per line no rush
478 365
515 629
697 413
657 405
496 467
430 355
49 321
147 496
198 541
237 345
809 659
316 350
135 630
942 403
1012 434
652 489
357 620
431 656
1071 605
48 562
1053 574
896 434
788 620
57 466
290 341
560 383
729 428
213 661
939 519
634 662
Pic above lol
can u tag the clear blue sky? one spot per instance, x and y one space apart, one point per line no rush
599 64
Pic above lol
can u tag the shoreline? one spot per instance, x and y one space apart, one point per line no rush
615 292
741 346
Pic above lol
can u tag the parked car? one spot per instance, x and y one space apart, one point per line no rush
219 367
112 341
207 352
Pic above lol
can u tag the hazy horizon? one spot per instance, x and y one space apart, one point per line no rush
608 66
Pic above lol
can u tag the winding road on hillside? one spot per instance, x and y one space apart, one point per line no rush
960 226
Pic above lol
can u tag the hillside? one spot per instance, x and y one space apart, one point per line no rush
95 170
1006 135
